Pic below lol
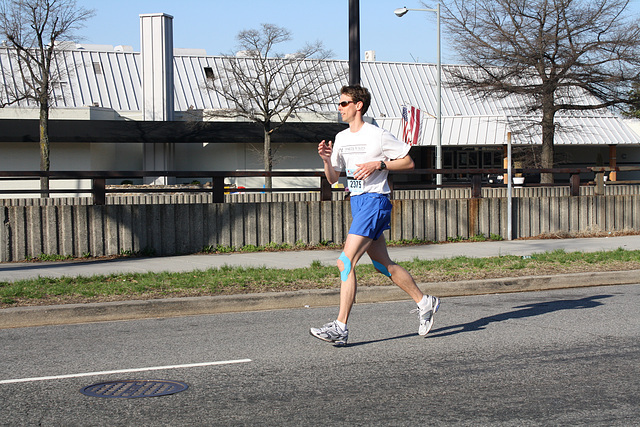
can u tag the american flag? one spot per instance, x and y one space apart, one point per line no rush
410 125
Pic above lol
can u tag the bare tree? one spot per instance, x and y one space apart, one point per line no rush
633 109
557 55
33 30
266 87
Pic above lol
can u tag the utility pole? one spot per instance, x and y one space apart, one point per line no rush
354 42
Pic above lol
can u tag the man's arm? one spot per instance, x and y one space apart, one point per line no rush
324 151
331 174
402 164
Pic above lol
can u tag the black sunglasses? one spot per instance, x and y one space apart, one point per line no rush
345 103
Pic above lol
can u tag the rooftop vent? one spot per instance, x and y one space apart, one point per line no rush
246 53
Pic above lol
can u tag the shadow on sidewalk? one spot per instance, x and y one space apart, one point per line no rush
529 310
67 264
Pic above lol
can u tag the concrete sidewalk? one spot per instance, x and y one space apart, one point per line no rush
77 313
11 272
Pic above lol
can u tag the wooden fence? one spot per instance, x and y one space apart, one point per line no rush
165 221
128 226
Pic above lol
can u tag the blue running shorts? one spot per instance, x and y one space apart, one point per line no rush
371 214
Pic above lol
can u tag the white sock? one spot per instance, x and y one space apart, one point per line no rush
424 303
342 326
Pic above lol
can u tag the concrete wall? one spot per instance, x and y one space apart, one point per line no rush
129 157
180 228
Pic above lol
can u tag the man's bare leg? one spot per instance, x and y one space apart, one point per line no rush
378 252
354 248
427 305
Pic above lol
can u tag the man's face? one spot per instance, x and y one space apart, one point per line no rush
347 108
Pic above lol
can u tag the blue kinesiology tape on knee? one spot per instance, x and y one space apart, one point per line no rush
381 268
344 274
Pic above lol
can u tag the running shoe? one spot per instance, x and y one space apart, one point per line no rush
331 332
426 316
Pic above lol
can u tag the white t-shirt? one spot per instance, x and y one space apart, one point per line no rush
370 143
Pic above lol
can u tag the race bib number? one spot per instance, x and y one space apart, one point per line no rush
356 186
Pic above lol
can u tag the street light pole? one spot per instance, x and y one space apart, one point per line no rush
354 42
399 13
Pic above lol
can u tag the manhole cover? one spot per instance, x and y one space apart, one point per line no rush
130 389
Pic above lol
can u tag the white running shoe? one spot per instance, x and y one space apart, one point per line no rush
331 333
426 316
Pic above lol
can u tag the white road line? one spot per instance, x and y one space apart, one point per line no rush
123 371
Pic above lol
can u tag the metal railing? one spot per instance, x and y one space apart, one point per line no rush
99 189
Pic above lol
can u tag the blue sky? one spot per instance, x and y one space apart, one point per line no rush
213 25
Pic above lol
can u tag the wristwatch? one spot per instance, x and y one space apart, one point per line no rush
383 165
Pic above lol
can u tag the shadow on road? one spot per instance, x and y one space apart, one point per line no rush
529 310
380 340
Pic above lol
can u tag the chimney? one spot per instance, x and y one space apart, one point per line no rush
156 45
370 55
156 48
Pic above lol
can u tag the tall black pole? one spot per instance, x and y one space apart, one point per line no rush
354 42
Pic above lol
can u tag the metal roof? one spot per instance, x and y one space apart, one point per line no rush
468 119
190 80
112 79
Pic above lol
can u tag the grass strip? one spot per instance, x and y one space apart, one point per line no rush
234 280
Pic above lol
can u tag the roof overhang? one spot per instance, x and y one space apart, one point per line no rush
485 130
119 131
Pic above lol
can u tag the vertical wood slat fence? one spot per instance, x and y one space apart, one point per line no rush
81 230
167 224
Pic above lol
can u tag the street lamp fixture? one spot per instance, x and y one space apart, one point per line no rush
400 12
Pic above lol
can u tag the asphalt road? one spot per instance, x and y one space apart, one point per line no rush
566 357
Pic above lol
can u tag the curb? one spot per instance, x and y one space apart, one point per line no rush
21 317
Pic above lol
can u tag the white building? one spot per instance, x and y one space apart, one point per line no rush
119 110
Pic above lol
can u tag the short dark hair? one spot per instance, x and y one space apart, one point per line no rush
358 94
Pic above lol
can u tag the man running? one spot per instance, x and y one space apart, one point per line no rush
367 153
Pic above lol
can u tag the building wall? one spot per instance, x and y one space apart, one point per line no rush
114 157
238 157
188 157
63 156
